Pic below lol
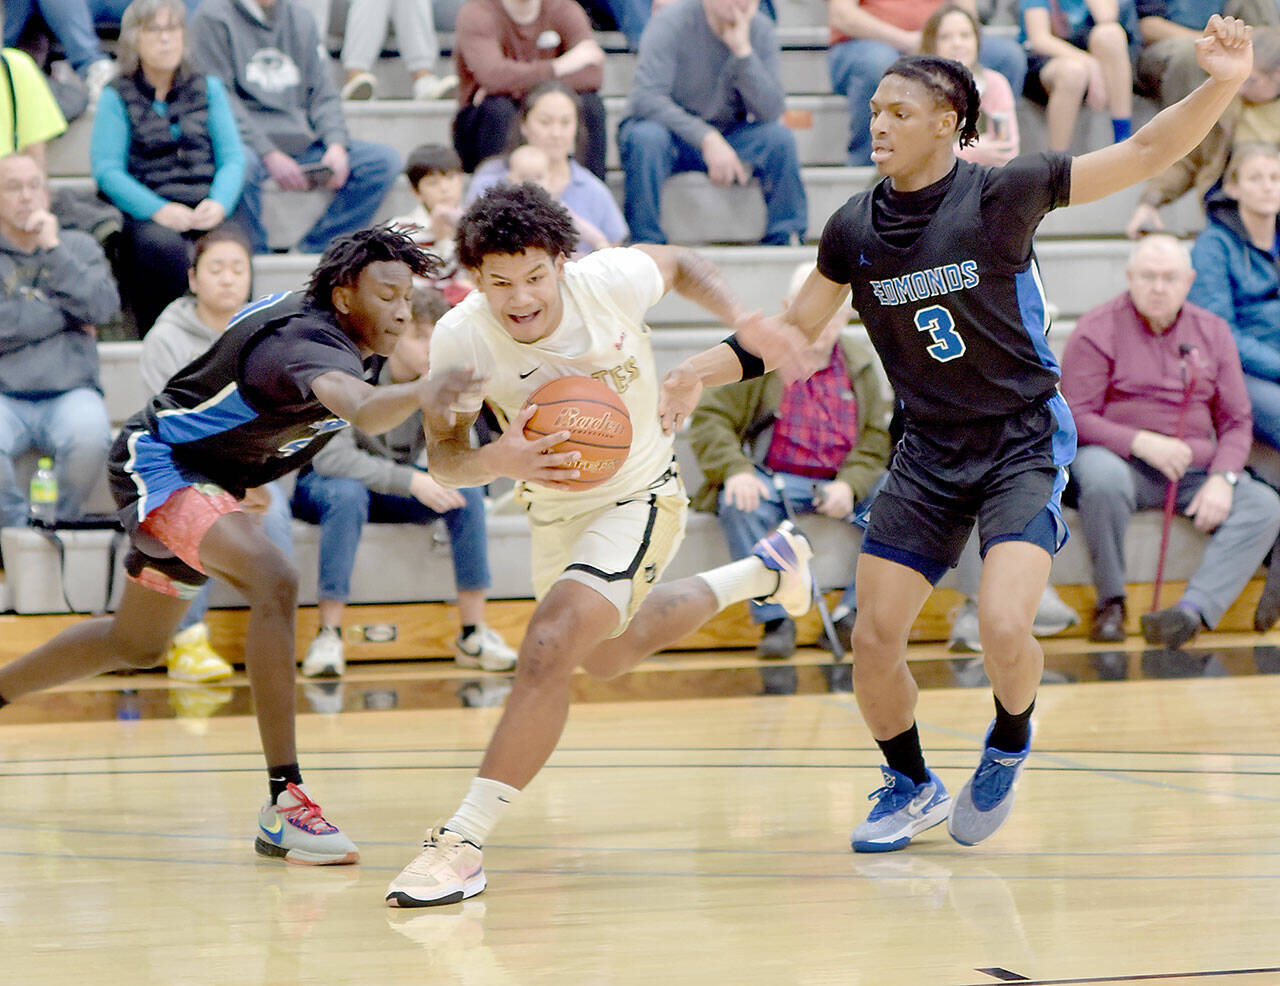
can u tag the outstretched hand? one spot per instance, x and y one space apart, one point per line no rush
780 344
441 393
1225 51
681 391
534 460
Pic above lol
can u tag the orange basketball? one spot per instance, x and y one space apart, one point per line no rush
598 422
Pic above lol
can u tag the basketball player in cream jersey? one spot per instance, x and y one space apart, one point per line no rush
598 552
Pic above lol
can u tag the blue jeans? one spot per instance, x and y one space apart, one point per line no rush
72 22
341 506
651 153
73 427
1265 397
277 524
742 530
374 169
856 67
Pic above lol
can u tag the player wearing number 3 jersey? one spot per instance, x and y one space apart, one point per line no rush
939 261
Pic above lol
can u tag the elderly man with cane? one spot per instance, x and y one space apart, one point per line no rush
1158 395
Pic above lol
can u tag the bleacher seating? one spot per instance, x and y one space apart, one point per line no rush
1081 253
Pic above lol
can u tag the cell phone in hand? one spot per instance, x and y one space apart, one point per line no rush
317 174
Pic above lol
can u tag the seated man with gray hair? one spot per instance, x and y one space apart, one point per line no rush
1158 395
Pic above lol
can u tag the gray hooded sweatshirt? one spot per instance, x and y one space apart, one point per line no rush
46 297
177 338
282 92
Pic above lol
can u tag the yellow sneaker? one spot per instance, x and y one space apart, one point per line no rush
191 658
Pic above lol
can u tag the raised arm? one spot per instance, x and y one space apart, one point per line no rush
1225 52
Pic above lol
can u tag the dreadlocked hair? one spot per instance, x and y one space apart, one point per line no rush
950 82
511 219
347 256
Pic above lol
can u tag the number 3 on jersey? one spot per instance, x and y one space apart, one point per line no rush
937 321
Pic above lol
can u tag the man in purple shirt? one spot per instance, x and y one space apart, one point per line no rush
1125 372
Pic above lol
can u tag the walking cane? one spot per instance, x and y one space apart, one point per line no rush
837 649
1171 491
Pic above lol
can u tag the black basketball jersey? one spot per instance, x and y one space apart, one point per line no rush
958 318
242 413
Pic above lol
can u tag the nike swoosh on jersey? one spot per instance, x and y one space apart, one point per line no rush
525 376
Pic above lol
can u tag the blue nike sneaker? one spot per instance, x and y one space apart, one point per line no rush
987 798
903 809
294 829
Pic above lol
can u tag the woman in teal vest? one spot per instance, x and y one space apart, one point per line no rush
166 152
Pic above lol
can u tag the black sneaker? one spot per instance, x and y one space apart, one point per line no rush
779 640
844 633
1172 627
1108 623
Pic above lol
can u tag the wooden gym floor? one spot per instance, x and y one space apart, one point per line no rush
693 840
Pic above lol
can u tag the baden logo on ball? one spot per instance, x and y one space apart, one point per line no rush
595 417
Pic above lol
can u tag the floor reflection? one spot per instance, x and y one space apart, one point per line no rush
437 684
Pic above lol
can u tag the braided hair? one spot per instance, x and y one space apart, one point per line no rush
346 256
951 84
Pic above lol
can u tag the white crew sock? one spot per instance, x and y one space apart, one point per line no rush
481 808
739 580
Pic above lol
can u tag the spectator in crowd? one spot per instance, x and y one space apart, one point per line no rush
708 97
824 439
38 119
1253 117
549 122
1052 615
71 22
1155 385
220 278
166 152
383 479
436 177
1079 52
502 49
1166 69
952 32
1237 279
867 36
366 30
268 53
55 287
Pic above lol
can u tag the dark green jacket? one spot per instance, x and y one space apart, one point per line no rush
726 415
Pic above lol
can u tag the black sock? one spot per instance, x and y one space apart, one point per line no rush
772 625
903 754
281 777
468 629
1011 733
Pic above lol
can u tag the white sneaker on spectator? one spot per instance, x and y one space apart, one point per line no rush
964 637
325 657
359 86
483 648
97 76
430 87
1053 615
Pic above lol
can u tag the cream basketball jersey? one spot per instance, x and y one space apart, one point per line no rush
602 334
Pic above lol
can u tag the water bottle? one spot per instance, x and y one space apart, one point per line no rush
44 495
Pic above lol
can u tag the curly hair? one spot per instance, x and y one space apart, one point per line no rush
346 256
511 219
951 84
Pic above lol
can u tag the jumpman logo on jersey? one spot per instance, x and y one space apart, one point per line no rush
862 260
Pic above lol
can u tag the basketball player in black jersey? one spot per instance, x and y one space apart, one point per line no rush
289 370
939 257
